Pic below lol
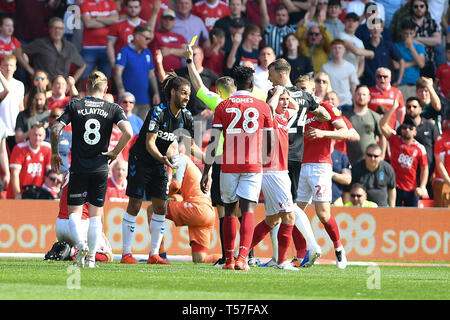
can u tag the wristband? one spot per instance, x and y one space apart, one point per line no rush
188 60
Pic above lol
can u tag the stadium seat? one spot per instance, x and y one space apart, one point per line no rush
426 203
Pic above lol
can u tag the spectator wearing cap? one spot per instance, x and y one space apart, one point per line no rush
333 23
189 25
407 157
273 34
354 47
369 15
235 30
53 54
210 11
134 72
235 20
315 41
385 51
127 101
171 44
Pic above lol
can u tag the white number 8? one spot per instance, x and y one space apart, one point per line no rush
92 131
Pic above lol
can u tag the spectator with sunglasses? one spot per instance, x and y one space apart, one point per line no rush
407 156
358 197
376 176
52 183
127 102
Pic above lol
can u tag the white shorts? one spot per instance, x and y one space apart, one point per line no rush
276 188
63 233
240 185
315 182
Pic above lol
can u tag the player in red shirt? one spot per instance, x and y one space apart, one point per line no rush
28 162
210 11
407 155
382 97
7 41
121 33
441 183
64 234
315 175
243 119
172 45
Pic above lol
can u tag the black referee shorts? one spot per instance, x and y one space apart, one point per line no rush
294 168
216 199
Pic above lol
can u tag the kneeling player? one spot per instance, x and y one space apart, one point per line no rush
65 236
188 206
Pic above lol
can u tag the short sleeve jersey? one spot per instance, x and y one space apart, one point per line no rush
7 47
242 119
279 156
92 122
32 164
122 31
406 159
305 101
319 150
386 99
210 14
161 121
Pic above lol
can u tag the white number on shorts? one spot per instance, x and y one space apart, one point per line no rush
92 131
251 115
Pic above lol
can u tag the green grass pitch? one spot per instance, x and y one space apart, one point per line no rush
35 279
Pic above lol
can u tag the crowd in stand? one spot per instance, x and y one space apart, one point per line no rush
385 64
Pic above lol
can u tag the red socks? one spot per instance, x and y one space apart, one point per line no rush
299 242
333 231
284 240
246 233
229 235
261 230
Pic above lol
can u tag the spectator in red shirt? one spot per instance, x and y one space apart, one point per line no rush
97 17
172 45
210 11
28 162
121 33
62 92
441 184
407 155
7 41
443 75
148 7
117 182
215 55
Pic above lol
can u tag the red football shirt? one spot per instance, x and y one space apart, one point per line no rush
278 160
8 45
96 37
443 76
168 40
405 160
210 13
242 118
442 149
341 145
123 30
53 103
386 99
32 162
319 150
215 62
115 192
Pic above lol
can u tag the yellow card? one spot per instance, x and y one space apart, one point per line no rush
194 38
